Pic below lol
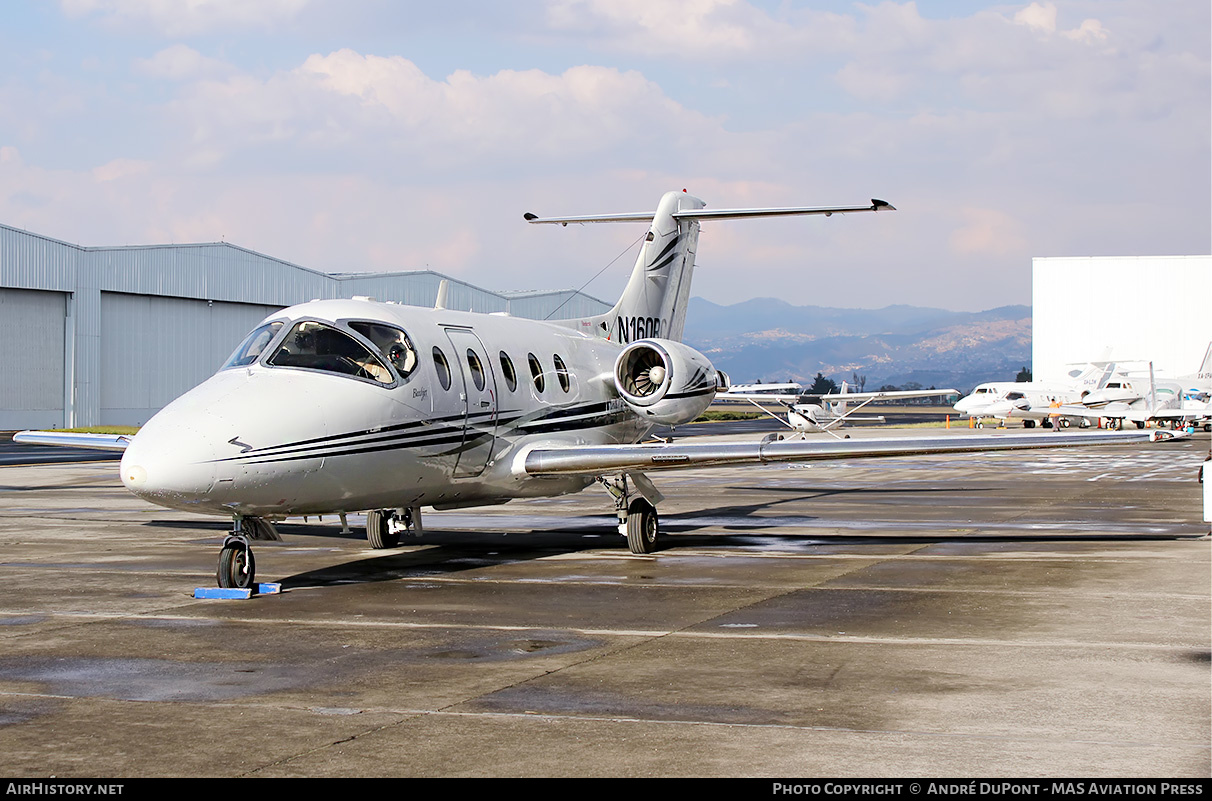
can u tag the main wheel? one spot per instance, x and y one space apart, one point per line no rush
642 527
237 567
378 530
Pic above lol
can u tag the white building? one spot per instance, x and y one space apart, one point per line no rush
1121 308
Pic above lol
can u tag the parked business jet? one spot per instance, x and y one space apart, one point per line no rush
340 406
1034 402
1143 401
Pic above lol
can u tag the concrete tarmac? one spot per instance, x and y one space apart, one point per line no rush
1043 613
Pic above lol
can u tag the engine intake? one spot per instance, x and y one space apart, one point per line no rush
666 381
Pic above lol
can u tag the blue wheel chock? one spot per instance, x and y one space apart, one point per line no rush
236 594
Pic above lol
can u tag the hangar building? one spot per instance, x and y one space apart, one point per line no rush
110 335
1121 308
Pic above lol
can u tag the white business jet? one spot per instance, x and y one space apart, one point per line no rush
1036 401
341 406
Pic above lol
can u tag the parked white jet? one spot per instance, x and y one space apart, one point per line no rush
1142 401
1033 401
340 406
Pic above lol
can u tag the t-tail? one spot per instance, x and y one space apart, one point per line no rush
653 305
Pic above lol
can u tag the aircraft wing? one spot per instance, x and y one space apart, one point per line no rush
602 459
834 397
65 439
768 397
1115 409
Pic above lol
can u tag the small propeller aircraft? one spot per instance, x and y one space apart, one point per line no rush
811 413
341 406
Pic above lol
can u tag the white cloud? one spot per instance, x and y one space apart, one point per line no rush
180 62
712 29
988 232
337 105
1043 18
187 17
120 168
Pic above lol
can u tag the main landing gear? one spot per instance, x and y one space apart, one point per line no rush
642 527
635 501
237 567
384 526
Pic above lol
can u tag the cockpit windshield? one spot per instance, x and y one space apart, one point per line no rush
253 345
315 346
392 343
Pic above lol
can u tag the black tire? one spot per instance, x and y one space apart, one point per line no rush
378 532
1028 424
1139 423
237 568
643 527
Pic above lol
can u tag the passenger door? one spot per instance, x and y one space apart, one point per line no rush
479 396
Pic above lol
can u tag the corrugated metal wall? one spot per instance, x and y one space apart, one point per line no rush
154 349
184 305
31 355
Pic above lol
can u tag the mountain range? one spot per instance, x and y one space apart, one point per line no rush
771 340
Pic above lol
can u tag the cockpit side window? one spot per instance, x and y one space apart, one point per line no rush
315 346
253 345
392 343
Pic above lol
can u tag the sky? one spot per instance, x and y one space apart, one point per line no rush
380 135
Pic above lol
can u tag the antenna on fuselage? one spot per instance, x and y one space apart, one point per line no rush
443 289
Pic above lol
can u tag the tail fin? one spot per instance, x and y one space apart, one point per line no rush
653 304
1205 367
1094 376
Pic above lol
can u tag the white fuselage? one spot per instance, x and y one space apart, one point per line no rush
275 440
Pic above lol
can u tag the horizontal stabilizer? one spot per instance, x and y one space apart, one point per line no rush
714 214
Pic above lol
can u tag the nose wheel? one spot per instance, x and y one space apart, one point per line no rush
237 567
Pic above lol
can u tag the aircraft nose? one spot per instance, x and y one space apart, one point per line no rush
170 463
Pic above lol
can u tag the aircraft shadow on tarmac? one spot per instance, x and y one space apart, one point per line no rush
458 551
461 548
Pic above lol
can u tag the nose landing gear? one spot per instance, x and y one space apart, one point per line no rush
237 566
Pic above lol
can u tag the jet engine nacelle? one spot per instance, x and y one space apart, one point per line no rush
666 381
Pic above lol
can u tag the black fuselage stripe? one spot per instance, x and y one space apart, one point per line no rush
376 447
586 415
367 432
